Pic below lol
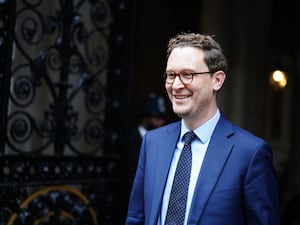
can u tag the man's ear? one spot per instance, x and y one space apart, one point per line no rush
219 78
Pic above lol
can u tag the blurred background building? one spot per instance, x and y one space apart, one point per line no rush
72 76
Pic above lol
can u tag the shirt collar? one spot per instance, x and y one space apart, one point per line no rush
142 131
204 131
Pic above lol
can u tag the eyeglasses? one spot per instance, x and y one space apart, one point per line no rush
185 77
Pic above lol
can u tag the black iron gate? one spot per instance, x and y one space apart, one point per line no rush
64 78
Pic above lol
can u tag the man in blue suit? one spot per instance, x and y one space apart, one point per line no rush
232 179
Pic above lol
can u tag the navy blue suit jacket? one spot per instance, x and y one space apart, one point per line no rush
237 184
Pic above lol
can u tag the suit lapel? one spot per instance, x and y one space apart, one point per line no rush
166 149
214 161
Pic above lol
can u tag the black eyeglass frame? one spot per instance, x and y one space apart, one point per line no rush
181 74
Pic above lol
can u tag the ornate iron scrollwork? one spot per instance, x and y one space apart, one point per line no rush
58 204
63 105
60 66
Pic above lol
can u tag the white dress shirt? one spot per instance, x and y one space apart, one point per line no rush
142 130
199 147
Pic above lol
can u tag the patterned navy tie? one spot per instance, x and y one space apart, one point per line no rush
179 192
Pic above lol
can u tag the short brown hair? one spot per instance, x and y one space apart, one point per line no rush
213 54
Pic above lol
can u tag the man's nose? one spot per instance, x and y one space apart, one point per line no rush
177 82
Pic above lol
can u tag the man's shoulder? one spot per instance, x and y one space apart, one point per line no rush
170 127
237 132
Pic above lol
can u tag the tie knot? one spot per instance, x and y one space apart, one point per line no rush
189 137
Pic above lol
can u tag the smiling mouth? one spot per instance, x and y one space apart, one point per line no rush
181 96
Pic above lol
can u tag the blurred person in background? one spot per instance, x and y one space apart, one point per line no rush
152 115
